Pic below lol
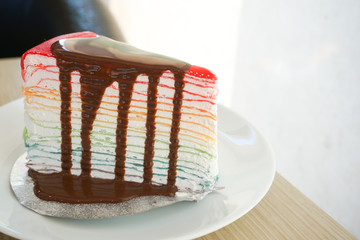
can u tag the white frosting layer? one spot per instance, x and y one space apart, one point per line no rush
197 157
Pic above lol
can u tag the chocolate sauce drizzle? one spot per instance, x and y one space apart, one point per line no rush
65 89
98 73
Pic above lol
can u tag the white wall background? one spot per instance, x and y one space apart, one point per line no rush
290 67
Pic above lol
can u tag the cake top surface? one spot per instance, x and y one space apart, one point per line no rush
104 47
91 41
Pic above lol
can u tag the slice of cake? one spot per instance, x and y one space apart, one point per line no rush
107 122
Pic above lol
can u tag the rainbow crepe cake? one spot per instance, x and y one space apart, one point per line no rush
107 123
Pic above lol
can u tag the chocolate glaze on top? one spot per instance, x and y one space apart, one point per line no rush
100 67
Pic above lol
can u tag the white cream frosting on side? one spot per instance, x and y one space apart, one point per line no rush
197 157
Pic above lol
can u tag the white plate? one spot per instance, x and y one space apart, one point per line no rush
247 168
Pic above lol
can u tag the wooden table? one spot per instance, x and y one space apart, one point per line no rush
284 213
